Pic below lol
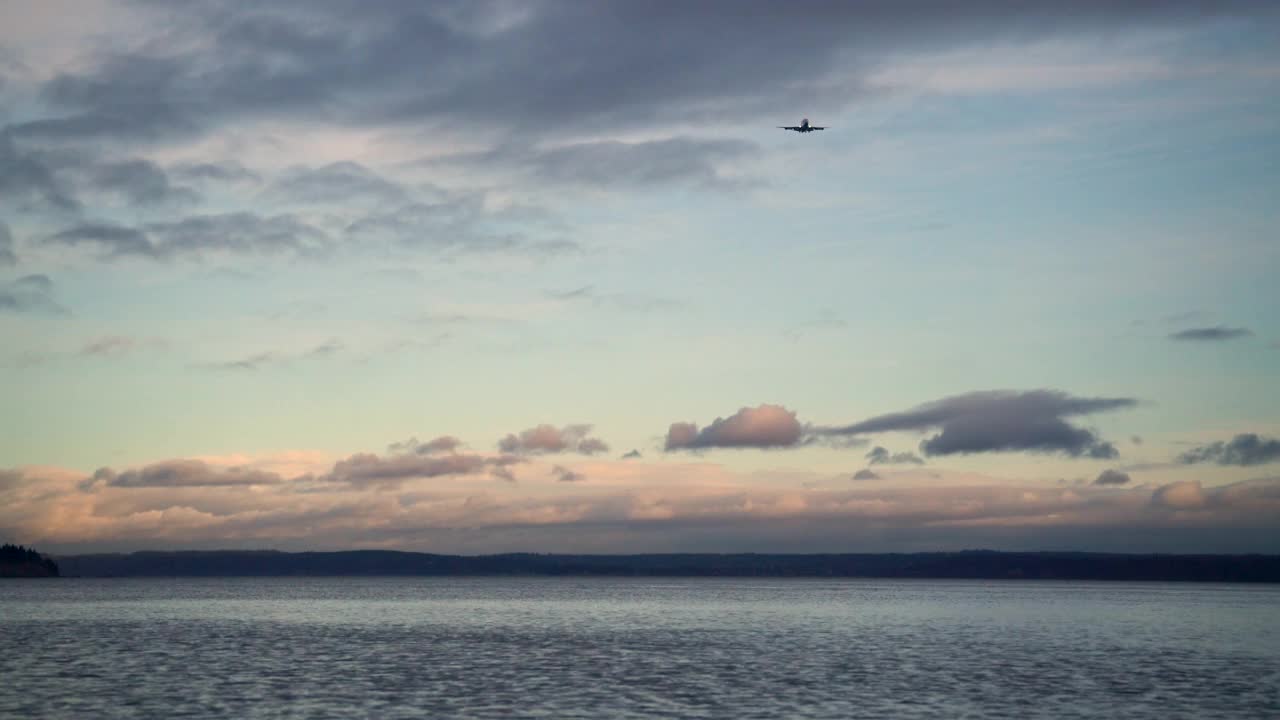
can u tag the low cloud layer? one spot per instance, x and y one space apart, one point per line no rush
1211 334
545 439
457 503
1243 450
763 427
1000 421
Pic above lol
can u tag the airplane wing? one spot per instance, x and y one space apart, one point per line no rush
815 127
789 127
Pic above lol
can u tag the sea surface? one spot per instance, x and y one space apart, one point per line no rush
630 648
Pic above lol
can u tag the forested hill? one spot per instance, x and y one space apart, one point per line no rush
969 564
18 561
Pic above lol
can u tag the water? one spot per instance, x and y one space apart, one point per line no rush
605 648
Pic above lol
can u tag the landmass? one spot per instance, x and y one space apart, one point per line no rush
972 564
18 561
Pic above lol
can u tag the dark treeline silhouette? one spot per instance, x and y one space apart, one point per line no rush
18 561
972 564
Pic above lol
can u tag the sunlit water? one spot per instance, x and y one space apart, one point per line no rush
605 648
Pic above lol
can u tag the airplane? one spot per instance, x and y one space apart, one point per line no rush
803 127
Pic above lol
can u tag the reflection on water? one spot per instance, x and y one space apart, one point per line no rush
594 648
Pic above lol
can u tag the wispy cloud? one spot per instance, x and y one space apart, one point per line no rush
1211 334
30 294
258 361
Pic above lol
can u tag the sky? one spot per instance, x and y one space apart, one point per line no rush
497 276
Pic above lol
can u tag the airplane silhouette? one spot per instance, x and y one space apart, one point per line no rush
803 127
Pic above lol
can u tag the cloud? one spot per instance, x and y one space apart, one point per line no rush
549 439
1211 334
459 223
611 163
7 256
139 182
183 473
866 474
197 235
260 360
448 505
1185 495
1112 477
619 301
10 479
764 426
881 456
999 421
633 455
30 294
117 345
564 474
1244 449
27 179
340 182
547 69
368 469
228 171
444 443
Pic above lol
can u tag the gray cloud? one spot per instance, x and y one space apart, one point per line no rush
140 182
629 302
116 345
1244 449
260 360
551 67
369 469
30 294
338 182
866 474
881 456
224 172
564 474
1112 477
444 443
1211 334
632 455
764 426
182 473
26 178
999 421
237 232
456 224
550 439
7 256
622 164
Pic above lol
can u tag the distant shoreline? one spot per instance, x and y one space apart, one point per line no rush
970 565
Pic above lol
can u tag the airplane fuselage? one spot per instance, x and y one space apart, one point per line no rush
803 127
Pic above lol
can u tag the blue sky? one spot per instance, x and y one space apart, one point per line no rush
272 240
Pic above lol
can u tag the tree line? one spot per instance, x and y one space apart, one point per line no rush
19 561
